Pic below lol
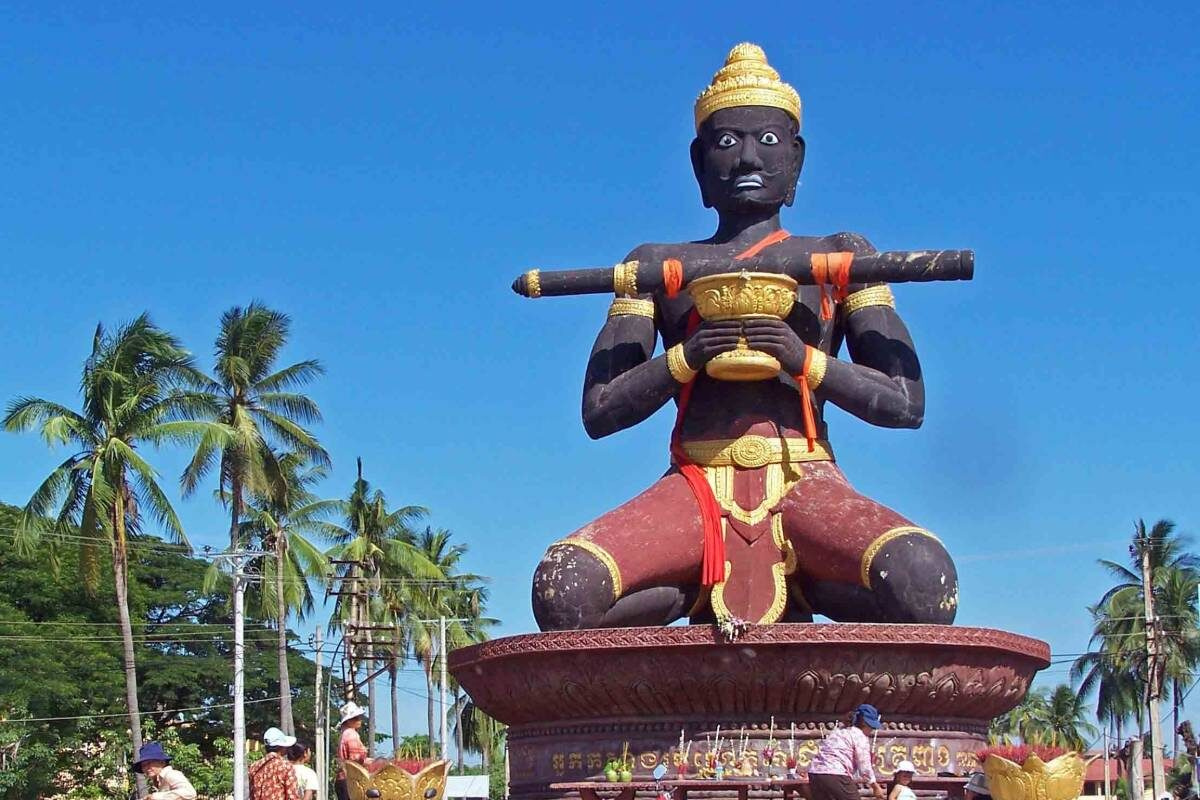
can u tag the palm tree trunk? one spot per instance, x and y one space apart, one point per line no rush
458 731
1119 743
1175 695
121 583
235 505
285 686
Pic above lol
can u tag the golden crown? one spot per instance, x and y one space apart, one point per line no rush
746 80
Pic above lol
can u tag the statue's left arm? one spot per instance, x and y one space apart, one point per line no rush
883 384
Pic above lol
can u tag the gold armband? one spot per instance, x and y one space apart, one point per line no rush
634 306
677 364
870 296
625 279
533 283
816 369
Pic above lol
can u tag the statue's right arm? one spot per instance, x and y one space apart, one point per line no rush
624 385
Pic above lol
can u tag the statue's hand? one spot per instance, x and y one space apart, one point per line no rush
709 341
775 337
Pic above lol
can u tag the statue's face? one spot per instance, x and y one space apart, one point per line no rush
747 159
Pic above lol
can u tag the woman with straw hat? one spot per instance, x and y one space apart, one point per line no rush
350 745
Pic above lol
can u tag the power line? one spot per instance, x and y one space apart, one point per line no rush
140 713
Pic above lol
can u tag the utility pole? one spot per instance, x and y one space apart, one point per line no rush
1154 681
445 709
1137 783
238 559
1107 786
322 726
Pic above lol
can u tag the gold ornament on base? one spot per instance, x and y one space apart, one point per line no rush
1057 779
394 783
743 295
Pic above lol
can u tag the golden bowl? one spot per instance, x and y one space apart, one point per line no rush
743 295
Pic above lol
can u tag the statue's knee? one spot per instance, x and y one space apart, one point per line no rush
913 577
573 587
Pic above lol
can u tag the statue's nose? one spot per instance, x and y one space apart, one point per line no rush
748 155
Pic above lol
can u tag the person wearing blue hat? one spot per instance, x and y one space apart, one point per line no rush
843 759
153 762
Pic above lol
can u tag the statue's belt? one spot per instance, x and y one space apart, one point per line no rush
752 451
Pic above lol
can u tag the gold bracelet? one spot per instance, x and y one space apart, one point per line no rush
677 364
816 369
870 296
533 283
625 279
634 306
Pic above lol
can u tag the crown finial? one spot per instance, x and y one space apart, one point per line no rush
746 80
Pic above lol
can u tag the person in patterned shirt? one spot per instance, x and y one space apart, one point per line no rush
273 778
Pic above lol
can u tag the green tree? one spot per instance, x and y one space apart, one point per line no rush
374 546
1027 722
258 403
1174 576
60 656
1066 720
282 522
479 733
461 598
132 396
1115 663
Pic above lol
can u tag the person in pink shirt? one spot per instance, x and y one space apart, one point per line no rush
844 759
350 745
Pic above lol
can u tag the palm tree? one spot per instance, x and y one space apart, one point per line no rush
281 521
479 733
460 597
1115 664
133 394
1066 719
1174 576
375 544
1179 636
1027 722
257 401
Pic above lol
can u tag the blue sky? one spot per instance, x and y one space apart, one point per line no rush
381 173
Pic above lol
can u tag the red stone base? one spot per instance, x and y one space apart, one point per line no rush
574 699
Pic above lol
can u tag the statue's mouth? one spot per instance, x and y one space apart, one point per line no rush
752 181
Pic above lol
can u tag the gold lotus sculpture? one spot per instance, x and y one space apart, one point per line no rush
743 295
394 783
1060 778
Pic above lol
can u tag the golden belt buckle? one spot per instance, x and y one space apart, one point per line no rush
751 451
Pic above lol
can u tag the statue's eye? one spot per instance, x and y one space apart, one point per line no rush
726 140
769 138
